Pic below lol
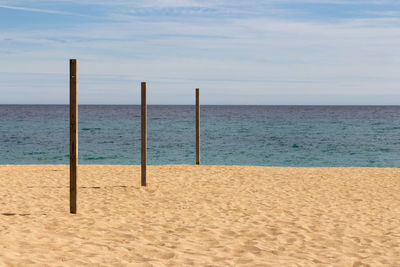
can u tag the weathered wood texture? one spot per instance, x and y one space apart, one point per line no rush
73 133
197 126
144 134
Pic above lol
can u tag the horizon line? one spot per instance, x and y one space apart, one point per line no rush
318 105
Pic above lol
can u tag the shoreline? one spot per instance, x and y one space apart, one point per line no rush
208 165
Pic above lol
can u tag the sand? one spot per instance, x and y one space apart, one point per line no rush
200 215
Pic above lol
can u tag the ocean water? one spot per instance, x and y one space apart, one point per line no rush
230 135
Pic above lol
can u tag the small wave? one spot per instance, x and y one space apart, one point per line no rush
94 158
91 129
35 153
100 158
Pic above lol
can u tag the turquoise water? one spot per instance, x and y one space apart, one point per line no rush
230 135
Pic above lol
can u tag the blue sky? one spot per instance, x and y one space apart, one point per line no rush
237 52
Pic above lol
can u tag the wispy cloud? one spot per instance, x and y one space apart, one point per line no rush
36 10
255 48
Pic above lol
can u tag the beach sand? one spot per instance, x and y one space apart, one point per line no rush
200 215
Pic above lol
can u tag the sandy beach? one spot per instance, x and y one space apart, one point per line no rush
200 215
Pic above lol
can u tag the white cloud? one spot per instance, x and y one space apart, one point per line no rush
35 10
259 57
39 10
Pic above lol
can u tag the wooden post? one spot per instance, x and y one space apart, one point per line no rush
73 133
144 134
197 126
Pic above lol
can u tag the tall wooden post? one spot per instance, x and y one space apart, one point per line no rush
73 133
144 134
197 126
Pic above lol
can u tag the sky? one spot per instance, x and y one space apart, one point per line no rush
253 52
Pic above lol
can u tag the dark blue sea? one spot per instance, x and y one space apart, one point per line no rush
230 135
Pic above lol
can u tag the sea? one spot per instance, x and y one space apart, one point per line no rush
296 136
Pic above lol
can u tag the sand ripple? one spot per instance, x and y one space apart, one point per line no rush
201 215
